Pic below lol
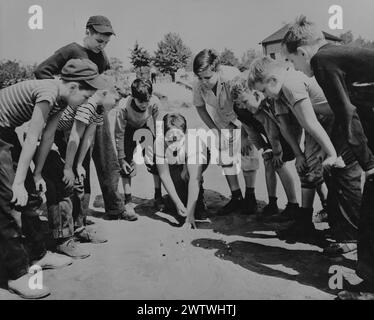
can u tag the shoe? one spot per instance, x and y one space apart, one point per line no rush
129 214
300 229
289 214
158 204
85 235
249 204
270 209
21 287
235 204
53 260
72 249
321 216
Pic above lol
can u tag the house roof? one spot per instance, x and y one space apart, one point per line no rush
277 36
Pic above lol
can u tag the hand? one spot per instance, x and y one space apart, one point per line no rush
190 222
246 147
69 177
277 160
329 162
40 183
20 195
125 167
155 111
81 172
181 210
300 164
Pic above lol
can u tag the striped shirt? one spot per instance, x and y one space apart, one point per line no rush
17 102
86 113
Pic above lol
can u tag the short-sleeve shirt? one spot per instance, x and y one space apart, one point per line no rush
86 113
222 102
17 102
193 151
297 87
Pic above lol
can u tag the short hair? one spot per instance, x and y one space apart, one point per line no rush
302 32
259 70
204 60
174 120
141 90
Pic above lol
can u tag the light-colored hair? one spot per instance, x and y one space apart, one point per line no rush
302 32
260 69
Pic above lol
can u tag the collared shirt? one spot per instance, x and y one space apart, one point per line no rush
221 103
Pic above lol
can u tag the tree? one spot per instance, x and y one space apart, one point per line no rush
139 56
12 72
228 58
171 54
247 59
349 40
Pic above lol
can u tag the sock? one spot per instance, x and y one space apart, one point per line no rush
158 193
237 194
273 200
128 197
249 192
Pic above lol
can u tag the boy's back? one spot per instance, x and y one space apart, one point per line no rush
53 65
17 102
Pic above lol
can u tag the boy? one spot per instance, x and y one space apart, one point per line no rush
213 88
294 92
98 33
259 119
344 72
139 111
40 102
181 159
66 214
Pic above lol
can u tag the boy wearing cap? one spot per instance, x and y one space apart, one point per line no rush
40 102
98 33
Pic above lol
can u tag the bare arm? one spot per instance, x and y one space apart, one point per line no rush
165 177
195 172
38 119
46 142
86 142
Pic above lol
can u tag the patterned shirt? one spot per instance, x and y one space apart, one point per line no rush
17 102
86 113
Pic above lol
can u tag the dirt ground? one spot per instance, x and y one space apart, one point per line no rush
232 257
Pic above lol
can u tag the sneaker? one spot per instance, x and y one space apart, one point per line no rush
21 287
289 214
158 204
129 214
53 260
270 209
235 204
72 249
85 235
320 216
249 204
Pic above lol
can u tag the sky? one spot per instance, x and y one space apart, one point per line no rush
235 24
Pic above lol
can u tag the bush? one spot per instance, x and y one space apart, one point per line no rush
12 72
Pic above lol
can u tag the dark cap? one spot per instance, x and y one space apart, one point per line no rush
100 24
84 70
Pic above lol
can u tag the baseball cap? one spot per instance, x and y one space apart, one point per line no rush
84 70
101 24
